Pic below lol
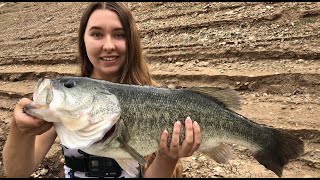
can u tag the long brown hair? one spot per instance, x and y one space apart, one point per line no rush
135 69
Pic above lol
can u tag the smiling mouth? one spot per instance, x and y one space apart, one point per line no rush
109 58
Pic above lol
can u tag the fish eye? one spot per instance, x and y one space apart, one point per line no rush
69 84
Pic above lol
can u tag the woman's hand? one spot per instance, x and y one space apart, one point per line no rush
190 144
27 124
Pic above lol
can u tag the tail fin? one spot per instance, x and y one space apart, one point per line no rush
285 148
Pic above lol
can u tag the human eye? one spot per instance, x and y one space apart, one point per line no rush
96 34
119 35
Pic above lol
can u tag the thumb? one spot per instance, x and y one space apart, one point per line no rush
24 101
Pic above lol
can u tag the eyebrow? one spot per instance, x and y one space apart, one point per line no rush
99 28
94 27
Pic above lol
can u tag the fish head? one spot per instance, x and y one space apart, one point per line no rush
82 109
77 102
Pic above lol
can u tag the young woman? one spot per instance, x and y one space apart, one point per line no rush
110 49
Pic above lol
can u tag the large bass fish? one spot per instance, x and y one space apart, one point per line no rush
124 122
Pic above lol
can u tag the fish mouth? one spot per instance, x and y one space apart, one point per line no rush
107 135
43 94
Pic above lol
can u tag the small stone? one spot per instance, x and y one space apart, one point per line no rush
203 64
202 158
171 86
218 169
299 61
62 160
269 7
43 171
179 64
286 94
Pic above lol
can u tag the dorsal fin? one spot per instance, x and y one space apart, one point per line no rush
224 96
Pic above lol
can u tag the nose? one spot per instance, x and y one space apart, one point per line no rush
108 44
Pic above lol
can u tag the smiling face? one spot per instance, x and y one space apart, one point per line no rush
105 44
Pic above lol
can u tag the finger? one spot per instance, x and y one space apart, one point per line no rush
44 128
21 103
29 127
34 130
163 141
24 121
188 141
24 101
174 145
27 123
19 114
196 138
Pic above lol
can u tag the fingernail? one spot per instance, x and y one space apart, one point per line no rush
196 123
178 122
188 117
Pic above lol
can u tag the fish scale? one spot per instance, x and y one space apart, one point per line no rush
175 107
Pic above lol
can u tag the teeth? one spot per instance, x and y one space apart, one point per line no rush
108 58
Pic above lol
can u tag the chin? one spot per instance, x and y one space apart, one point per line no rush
115 72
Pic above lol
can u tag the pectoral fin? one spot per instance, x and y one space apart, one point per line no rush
131 166
221 153
132 152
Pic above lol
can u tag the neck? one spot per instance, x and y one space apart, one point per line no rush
111 78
